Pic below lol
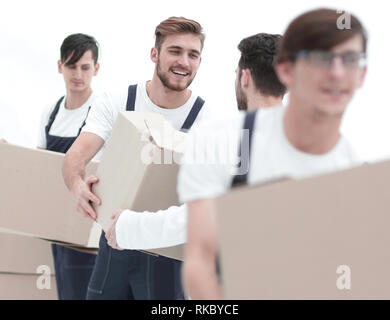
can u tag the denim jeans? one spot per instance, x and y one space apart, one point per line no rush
130 274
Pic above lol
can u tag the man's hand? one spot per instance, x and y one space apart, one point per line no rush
111 234
82 191
73 171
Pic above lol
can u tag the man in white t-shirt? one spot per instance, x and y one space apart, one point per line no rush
321 69
129 274
61 123
257 86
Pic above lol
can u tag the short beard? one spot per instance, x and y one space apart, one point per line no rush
164 80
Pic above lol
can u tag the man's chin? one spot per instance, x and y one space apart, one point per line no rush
77 89
177 87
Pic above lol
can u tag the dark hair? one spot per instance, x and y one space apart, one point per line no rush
258 54
75 45
174 25
318 29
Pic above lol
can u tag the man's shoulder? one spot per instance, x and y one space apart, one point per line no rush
114 97
49 108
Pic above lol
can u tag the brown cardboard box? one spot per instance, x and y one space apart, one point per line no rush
138 170
24 287
20 254
35 200
309 238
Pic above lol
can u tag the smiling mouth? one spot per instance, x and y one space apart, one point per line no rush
180 73
335 91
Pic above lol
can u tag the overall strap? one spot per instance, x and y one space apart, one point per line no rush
54 114
130 105
89 108
249 121
193 114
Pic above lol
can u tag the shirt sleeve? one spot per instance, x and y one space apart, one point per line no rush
101 117
41 141
151 230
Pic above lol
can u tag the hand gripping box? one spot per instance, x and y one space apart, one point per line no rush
324 237
139 168
34 200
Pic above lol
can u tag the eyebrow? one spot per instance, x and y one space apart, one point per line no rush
180 48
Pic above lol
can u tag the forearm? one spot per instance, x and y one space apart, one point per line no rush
150 230
200 272
73 169
200 278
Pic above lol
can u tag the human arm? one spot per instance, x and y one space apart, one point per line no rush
150 230
73 171
200 276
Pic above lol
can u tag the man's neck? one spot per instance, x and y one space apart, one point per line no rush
308 131
258 101
75 100
164 97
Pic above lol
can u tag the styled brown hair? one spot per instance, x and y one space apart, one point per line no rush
318 29
174 25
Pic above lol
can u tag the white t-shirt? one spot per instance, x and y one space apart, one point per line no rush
67 122
272 156
143 230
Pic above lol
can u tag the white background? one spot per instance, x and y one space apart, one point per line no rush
31 33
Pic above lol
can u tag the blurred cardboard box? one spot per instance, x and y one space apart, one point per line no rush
20 254
139 168
324 237
35 201
26 268
27 287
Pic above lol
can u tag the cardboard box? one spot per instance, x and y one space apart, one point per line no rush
309 238
20 254
138 169
25 287
35 200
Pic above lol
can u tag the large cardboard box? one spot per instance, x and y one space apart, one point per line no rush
26 268
139 167
325 237
20 254
35 201
27 287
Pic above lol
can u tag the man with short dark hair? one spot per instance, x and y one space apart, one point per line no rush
130 274
61 123
322 67
257 85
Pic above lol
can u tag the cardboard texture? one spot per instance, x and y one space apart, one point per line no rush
35 200
138 170
24 287
287 240
20 254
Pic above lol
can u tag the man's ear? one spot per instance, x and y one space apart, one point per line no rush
97 67
59 64
246 76
154 55
362 76
284 72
